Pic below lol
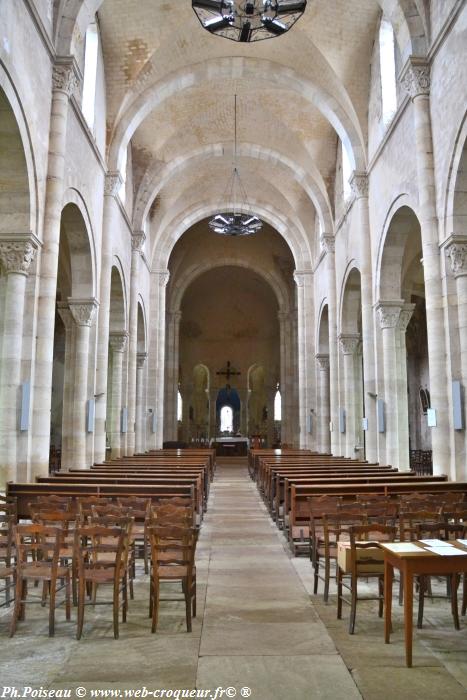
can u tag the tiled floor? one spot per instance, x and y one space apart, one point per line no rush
257 627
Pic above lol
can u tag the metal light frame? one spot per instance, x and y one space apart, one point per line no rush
236 223
248 20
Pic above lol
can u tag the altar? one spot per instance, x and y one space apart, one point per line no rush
230 446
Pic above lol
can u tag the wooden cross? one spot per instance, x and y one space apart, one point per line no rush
228 372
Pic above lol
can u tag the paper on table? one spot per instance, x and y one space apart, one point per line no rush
402 547
436 543
446 551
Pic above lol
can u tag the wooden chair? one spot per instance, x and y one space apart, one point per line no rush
38 559
126 522
320 506
172 559
85 504
140 509
51 502
366 560
101 559
7 568
336 528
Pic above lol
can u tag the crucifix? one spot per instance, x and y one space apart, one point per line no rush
228 372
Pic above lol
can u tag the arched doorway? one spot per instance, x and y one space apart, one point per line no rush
323 413
118 337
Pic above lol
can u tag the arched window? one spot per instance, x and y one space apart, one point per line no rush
179 407
226 419
388 70
91 53
278 405
346 172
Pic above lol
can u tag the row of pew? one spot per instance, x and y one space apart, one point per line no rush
288 479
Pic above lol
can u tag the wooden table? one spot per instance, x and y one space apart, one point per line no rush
411 564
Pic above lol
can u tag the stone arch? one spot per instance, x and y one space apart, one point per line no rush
118 306
76 268
322 336
343 120
162 248
351 301
456 194
18 193
141 328
157 177
197 270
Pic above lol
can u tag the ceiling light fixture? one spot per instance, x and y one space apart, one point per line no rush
236 223
248 20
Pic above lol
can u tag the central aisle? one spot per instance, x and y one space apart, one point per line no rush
259 628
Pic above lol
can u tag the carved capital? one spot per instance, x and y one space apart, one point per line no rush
17 252
323 361
162 276
137 241
328 242
456 251
113 182
303 277
141 359
65 75
118 340
64 312
389 313
83 310
415 76
359 184
349 343
405 316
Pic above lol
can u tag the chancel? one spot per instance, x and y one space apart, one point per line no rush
233 348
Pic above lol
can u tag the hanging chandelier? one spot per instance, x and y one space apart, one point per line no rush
236 223
248 20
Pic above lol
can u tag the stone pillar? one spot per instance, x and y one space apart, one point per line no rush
456 250
16 255
286 383
416 80
68 385
117 342
389 312
137 241
359 184
64 82
306 351
83 312
173 329
328 245
403 461
349 344
140 403
156 357
113 183
323 408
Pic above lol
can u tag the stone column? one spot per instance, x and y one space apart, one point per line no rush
416 80
156 356
16 255
456 250
137 241
402 395
286 347
83 312
306 351
323 408
68 385
173 323
349 344
64 81
359 184
117 342
113 183
140 403
329 246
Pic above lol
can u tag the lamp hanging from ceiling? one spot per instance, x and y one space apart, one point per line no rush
236 223
248 20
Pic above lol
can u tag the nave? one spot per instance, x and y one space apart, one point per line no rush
258 626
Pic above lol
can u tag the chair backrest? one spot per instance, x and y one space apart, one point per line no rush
336 526
172 546
365 558
64 519
323 505
139 507
52 502
37 545
409 522
85 503
95 543
7 523
9 508
109 509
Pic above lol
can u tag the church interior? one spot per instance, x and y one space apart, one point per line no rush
233 349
